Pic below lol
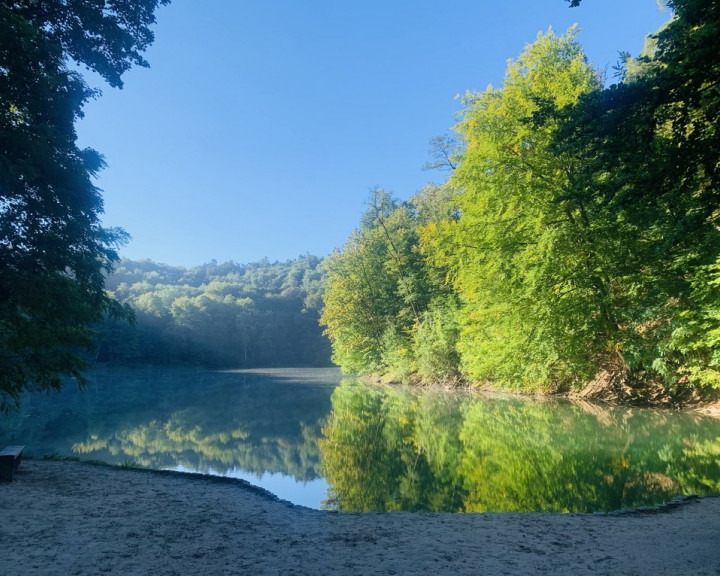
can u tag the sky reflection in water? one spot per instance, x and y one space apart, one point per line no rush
309 494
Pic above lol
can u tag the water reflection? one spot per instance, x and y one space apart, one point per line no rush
396 449
314 440
257 422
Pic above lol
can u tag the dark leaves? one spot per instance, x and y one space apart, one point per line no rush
53 248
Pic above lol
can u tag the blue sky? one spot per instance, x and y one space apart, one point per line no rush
260 127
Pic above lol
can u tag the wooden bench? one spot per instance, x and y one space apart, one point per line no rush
10 457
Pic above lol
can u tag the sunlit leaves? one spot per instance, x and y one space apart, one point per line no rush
514 250
380 287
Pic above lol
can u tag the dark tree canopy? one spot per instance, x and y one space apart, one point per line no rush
53 248
107 36
647 154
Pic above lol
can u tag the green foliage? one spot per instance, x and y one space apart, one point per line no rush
106 37
524 263
53 249
697 335
435 342
380 286
258 314
358 296
646 155
576 240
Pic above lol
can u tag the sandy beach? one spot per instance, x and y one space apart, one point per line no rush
72 518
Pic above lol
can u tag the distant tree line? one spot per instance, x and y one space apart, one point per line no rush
233 315
576 240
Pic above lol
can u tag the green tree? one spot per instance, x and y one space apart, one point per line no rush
389 309
379 288
436 335
359 301
435 342
648 155
522 256
53 248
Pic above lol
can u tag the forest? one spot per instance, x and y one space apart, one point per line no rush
574 241
220 315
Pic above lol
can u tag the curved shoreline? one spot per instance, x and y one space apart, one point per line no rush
75 518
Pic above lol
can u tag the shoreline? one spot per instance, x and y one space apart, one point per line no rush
67 517
708 405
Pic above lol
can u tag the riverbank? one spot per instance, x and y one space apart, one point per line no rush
72 518
606 389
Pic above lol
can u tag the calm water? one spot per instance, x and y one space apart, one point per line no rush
315 439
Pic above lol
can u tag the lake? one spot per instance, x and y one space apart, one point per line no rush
317 439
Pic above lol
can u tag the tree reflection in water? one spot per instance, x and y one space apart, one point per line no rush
387 448
379 448
205 421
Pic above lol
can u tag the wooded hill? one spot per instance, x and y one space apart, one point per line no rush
239 315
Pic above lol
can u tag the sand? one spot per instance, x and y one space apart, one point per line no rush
71 518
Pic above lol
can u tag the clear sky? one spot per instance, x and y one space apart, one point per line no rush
260 127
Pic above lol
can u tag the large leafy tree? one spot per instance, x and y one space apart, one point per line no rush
524 258
651 153
648 152
369 295
53 248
